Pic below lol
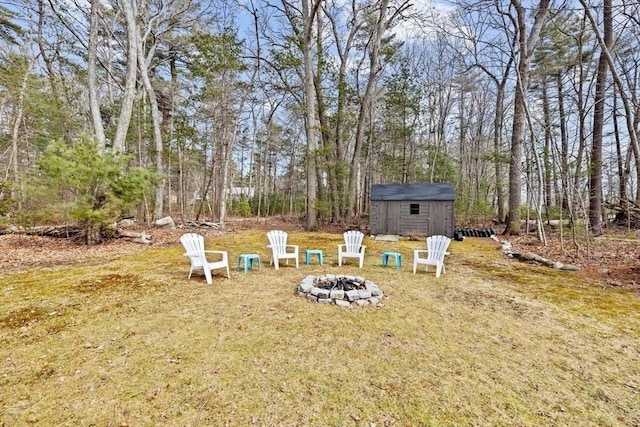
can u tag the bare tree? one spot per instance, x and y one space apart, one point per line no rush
527 44
309 11
595 169
143 62
493 52
17 120
387 15
94 105
335 149
128 98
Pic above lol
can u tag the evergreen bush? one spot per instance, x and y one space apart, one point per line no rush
77 182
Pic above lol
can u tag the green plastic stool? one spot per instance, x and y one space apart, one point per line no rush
310 253
248 260
395 255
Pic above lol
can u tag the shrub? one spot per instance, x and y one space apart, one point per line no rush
80 183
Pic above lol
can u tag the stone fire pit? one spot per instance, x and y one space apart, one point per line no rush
343 291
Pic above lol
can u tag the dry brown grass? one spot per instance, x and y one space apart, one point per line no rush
131 341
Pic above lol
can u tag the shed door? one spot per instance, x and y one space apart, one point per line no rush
389 218
438 218
393 217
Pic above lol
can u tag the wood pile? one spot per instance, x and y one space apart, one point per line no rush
75 232
627 212
202 224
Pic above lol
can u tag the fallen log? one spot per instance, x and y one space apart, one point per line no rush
197 224
529 256
532 257
67 231
74 232
143 238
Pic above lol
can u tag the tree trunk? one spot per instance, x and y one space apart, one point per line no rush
382 23
324 123
622 166
15 132
155 120
515 159
546 154
595 168
94 105
130 80
564 141
57 89
631 111
167 123
498 124
526 45
309 9
335 154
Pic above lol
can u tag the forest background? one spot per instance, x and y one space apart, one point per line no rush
112 108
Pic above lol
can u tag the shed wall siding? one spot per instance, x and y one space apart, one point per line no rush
394 217
374 218
414 224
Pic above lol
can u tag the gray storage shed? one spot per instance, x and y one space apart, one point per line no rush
404 209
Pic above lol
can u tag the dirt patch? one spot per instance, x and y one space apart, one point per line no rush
110 282
611 259
23 317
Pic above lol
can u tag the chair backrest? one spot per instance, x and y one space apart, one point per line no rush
437 247
353 241
277 241
194 247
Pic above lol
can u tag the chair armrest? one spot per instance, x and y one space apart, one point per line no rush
223 253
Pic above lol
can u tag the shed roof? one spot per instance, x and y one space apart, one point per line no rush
396 192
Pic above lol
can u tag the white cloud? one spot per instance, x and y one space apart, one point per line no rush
424 18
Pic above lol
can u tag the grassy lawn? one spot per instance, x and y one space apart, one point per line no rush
130 341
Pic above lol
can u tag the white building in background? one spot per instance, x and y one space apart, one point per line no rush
238 192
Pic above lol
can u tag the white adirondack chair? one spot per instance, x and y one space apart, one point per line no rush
280 250
194 247
436 250
352 247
